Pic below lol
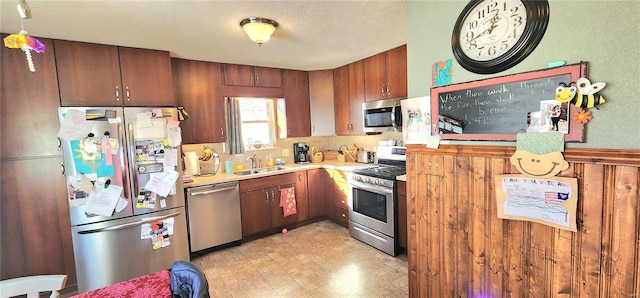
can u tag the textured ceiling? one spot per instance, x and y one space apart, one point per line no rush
313 35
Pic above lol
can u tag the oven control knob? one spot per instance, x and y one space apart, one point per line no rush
368 180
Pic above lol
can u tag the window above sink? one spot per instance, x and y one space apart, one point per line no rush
263 120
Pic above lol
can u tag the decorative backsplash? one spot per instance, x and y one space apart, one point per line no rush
285 147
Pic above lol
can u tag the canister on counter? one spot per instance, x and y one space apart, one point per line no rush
227 167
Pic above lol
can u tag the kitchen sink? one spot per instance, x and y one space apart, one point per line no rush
246 172
256 171
270 169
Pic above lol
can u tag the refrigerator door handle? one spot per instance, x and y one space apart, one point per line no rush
131 224
212 191
125 187
132 163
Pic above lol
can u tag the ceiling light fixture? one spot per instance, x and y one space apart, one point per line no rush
23 9
259 29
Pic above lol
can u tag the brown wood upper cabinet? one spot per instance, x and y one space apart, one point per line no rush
348 91
30 102
386 74
322 115
252 76
198 87
296 96
103 75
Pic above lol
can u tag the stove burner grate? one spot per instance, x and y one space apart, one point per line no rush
382 171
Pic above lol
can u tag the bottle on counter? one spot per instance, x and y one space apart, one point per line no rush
227 167
269 161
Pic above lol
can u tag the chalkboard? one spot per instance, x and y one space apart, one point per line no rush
498 108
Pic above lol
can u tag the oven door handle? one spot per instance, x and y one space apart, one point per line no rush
371 188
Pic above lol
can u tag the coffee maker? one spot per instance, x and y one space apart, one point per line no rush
301 153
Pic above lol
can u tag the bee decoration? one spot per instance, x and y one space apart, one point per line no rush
582 93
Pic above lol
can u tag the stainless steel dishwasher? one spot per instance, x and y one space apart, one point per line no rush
213 215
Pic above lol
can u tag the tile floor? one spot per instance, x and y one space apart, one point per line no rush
317 260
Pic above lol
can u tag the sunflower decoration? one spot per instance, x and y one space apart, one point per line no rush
583 116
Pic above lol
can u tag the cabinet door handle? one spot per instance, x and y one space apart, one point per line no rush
343 202
128 95
382 89
62 170
251 79
257 79
117 93
343 215
273 196
59 144
222 133
388 89
266 194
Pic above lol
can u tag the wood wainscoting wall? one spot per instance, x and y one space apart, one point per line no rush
458 247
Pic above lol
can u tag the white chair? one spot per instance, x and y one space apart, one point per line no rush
32 286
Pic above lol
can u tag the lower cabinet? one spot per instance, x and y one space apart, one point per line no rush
260 202
319 193
339 206
255 208
36 228
318 180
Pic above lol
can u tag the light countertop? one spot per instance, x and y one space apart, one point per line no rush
288 168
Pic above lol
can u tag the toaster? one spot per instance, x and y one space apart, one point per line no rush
366 157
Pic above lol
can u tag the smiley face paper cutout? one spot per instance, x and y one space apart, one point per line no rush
539 155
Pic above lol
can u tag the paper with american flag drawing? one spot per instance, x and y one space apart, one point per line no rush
551 201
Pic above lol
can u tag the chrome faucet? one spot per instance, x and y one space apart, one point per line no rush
252 158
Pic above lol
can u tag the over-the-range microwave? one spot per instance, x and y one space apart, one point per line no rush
382 115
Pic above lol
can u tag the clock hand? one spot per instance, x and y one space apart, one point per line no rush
493 20
493 26
486 31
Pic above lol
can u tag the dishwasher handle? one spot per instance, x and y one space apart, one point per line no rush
200 193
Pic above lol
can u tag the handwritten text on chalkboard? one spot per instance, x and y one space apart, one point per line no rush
500 108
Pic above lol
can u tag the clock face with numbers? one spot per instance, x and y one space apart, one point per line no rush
494 35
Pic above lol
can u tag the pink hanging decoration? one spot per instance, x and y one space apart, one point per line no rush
27 44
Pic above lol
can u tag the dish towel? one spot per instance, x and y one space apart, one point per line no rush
288 201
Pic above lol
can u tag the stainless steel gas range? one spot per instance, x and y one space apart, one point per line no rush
373 200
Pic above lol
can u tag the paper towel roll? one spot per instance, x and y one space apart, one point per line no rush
191 163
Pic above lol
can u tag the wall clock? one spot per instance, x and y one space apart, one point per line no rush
494 35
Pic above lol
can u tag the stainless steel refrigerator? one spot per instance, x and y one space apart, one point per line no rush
129 148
